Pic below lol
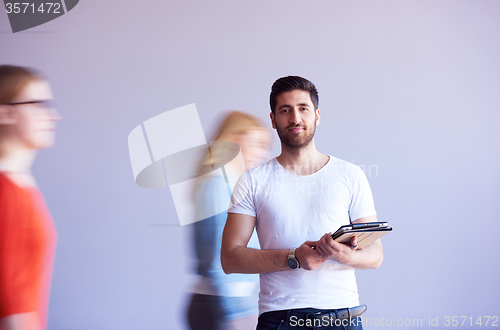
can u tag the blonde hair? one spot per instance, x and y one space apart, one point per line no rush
234 125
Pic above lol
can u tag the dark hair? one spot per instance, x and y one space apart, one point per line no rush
13 79
291 83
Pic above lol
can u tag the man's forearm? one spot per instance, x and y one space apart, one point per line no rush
246 260
236 257
369 257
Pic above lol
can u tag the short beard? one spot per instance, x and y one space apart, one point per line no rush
295 144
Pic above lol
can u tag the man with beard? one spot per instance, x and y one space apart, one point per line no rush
295 201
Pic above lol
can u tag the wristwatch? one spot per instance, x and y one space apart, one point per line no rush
292 262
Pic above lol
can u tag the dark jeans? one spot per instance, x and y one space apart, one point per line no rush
205 313
267 322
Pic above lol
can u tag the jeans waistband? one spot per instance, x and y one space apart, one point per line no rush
312 313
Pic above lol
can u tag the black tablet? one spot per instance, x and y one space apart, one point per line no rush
367 233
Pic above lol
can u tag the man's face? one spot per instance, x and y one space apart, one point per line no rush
295 119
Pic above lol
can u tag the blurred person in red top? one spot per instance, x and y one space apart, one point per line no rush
27 233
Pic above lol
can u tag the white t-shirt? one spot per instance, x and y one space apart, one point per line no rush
291 209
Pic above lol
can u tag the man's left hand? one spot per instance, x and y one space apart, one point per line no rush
330 249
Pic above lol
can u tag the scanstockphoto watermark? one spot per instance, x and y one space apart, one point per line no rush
304 188
24 15
332 183
330 321
370 171
325 321
434 322
383 322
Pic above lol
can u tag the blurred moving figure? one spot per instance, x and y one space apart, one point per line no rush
27 234
221 301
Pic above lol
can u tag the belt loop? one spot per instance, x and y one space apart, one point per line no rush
332 317
341 324
287 320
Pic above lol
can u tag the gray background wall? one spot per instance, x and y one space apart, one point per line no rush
408 89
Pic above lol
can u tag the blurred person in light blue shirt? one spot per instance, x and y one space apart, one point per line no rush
220 301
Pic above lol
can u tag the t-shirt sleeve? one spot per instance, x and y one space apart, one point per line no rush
361 199
242 199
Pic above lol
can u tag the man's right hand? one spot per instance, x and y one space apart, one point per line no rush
308 258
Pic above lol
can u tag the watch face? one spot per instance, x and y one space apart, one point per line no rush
292 263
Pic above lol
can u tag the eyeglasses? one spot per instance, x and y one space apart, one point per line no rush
43 106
